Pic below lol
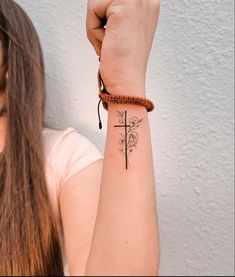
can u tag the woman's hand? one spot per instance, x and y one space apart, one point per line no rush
124 44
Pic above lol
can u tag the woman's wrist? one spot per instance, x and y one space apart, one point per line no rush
132 88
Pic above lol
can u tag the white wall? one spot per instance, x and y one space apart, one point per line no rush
190 77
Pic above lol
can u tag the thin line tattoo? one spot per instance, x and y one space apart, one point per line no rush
130 137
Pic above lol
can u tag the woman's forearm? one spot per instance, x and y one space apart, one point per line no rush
125 239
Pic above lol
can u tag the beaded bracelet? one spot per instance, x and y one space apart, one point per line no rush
106 97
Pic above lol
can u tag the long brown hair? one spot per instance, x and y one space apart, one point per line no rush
29 240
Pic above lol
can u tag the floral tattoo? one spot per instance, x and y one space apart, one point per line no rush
129 138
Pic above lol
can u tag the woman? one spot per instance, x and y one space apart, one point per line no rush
64 207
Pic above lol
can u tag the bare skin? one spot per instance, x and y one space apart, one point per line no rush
108 209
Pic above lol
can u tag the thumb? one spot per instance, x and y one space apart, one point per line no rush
95 27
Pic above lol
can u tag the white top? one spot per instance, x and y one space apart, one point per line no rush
67 152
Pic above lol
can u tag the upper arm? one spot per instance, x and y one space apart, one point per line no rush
78 202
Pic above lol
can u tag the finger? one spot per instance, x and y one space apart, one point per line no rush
96 21
100 9
97 46
95 29
94 25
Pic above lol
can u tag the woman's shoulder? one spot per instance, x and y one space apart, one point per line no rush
69 150
52 137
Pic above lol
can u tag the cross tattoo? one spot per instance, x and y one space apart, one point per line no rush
125 126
